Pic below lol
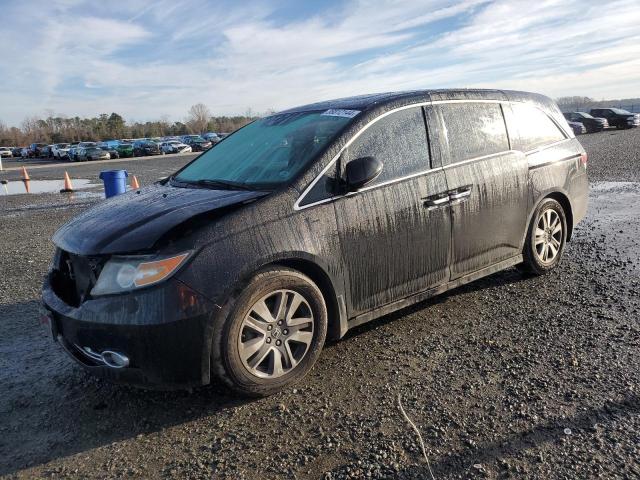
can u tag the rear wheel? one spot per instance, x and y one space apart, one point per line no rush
273 333
546 238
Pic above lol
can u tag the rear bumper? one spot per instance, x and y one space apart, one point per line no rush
579 195
164 332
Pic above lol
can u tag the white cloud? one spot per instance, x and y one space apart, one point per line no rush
145 59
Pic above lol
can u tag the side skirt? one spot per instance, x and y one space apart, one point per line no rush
419 297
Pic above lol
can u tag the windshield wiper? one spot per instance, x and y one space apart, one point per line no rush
218 184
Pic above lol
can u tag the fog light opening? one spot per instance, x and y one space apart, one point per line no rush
115 359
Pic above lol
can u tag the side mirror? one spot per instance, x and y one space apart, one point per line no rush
361 171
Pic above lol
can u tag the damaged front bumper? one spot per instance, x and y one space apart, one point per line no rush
156 338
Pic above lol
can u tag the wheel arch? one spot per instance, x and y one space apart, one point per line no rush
336 316
563 200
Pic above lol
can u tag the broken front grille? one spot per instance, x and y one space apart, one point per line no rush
74 276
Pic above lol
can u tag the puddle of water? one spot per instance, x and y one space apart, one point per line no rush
42 186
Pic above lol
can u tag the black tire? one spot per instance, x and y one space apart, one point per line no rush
226 363
533 263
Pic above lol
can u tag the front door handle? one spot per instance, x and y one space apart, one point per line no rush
435 201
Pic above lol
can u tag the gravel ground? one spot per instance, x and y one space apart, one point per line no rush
508 377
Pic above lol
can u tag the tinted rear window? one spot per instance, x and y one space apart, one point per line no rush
474 129
535 127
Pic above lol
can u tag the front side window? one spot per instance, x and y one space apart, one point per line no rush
535 127
268 152
398 140
474 130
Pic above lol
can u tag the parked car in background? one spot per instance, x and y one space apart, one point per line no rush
617 117
305 224
125 149
113 152
222 135
6 152
197 143
577 127
142 148
60 151
24 152
36 150
74 152
71 152
92 153
110 143
49 151
591 123
174 146
17 151
212 137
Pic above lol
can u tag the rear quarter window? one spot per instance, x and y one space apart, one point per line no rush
535 128
473 129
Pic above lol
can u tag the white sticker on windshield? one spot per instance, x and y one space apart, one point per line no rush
339 112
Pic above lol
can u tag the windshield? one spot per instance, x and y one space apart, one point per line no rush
620 111
268 152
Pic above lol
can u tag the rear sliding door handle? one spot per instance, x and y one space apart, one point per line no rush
460 195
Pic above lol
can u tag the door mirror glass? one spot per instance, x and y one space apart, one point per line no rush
361 171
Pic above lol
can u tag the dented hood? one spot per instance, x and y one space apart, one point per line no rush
136 221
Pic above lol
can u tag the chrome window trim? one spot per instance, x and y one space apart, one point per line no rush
477 159
297 206
544 147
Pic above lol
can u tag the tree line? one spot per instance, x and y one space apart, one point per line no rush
56 129
578 103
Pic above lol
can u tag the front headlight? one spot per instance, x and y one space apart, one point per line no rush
123 274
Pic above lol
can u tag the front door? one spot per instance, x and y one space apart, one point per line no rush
394 232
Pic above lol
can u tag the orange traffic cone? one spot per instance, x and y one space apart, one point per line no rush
27 185
134 182
68 187
25 175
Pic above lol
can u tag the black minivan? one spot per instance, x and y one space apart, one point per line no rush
306 223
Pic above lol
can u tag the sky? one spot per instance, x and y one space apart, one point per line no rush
154 59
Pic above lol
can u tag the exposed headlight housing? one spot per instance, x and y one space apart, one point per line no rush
124 274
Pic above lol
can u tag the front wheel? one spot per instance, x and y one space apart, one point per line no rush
273 333
546 238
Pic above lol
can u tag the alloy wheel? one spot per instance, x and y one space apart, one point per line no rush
276 334
548 236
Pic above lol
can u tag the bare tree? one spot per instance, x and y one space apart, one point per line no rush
198 118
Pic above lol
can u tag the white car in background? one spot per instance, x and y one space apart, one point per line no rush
60 150
5 152
174 146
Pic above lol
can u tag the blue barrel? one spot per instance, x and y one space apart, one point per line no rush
115 182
